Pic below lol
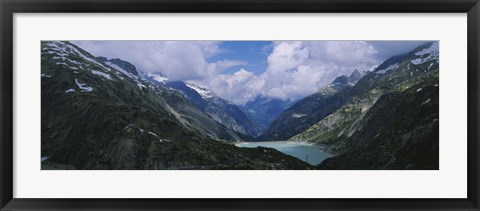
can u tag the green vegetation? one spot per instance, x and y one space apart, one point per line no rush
389 122
401 131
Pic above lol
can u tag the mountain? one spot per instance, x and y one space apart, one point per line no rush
157 78
195 117
219 109
355 76
390 120
343 122
120 64
400 131
97 114
309 110
176 99
263 110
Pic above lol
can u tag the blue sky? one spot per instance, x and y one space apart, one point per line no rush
239 71
254 52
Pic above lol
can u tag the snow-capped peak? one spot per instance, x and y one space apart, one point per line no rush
426 54
119 69
205 93
157 77
63 49
432 49
391 67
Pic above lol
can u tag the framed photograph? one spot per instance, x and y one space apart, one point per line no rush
216 105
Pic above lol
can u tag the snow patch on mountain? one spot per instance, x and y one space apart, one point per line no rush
391 67
116 67
83 87
160 79
295 115
416 61
105 75
163 140
426 101
157 77
61 63
63 49
141 86
70 90
44 158
88 58
205 93
152 133
432 49
431 52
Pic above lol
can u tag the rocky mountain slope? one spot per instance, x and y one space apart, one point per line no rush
97 115
390 120
400 131
263 110
310 109
219 109
100 113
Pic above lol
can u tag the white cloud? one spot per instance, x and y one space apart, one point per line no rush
287 55
238 87
295 70
216 67
179 60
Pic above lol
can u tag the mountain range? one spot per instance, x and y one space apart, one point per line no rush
310 109
100 113
217 108
97 115
263 110
387 120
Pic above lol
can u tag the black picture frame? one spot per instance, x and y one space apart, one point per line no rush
9 7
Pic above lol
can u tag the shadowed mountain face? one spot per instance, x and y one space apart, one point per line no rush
264 109
219 109
97 115
100 113
310 109
118 63
389 121
401 131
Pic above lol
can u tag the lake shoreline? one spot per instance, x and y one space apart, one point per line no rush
287 142
323 147
313 154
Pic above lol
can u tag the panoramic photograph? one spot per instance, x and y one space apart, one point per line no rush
239 105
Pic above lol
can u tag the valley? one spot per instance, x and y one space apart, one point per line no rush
100 113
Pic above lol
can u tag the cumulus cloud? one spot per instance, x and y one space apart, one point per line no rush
295 70
389 49
179 60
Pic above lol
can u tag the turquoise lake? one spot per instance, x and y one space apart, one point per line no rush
307 152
